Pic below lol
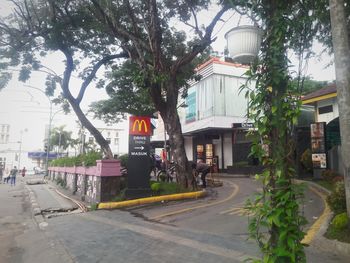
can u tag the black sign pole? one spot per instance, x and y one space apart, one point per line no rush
139 161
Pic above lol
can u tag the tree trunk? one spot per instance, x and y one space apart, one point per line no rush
177 145
91 128
342 69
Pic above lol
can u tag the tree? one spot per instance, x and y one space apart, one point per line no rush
274 106
341 47
308 85
42 27
162 54
60 138
125 96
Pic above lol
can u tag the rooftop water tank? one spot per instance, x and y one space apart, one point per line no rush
243 43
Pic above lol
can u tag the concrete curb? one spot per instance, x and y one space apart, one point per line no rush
149 200
36 210
318 240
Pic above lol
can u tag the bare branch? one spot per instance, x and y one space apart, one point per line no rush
196 26
120 32
92 74
155 35
202 45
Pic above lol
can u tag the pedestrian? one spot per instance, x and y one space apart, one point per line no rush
1 173
13 174
23 172
6 175
203 169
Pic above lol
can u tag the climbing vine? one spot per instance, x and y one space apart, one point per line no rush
274 107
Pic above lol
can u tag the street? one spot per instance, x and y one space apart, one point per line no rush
212 229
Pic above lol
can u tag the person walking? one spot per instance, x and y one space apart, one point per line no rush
1 173
13 174
6 175
23 172
203 169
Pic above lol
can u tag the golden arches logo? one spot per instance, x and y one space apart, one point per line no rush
140 124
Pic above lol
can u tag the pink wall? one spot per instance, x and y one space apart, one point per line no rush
103 168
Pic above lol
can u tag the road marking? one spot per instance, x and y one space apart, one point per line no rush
238 209
313 230
170 237
232 195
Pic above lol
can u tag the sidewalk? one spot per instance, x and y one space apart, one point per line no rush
20 238
45 201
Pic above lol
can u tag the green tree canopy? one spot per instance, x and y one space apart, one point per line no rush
61 138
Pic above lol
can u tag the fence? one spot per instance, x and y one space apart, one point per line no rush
94 184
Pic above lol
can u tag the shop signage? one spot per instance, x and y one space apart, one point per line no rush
139 155
243 125
318 145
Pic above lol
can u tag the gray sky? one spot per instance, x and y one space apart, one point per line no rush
25 108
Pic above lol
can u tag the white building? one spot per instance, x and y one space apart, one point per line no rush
116 135
212 106
325 102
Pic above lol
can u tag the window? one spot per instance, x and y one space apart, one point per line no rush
91 139
117 134
116 141
325 109
108 140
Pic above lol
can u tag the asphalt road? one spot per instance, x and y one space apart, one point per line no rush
213 229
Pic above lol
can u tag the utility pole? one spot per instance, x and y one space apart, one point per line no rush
49 131
341 48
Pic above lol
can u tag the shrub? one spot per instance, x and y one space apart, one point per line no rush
338 178
340 221
61 182
155 187
329 175
88 159
306 160
336 199
123 160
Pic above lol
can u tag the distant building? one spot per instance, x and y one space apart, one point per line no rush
326 108
116 138
325 103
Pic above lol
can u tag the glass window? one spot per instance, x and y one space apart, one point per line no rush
325 109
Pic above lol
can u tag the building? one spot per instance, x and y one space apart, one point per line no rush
324 102
116 136
7 154
213 105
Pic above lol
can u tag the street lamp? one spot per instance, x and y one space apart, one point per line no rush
20 147
49 131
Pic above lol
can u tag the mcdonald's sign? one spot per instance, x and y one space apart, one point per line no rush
140 125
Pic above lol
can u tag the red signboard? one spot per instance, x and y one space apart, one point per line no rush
139 125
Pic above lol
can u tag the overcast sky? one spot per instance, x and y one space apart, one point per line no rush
27 109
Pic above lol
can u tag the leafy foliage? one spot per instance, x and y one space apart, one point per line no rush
308 85
38 29
60 138
340 221
274 105
88 159
339 228
125 95
306 160
337 200
123 160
